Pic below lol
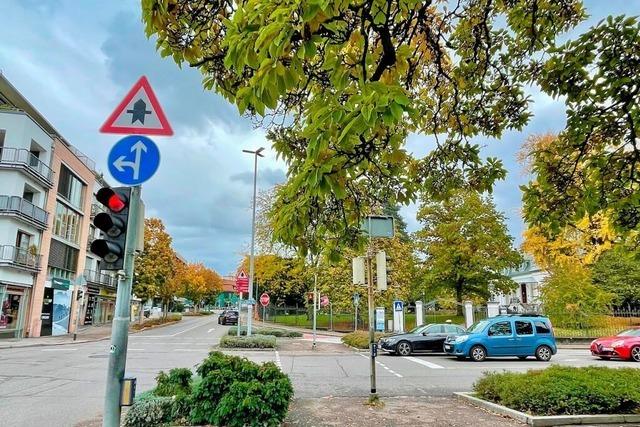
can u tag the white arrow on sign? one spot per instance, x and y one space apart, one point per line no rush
121 163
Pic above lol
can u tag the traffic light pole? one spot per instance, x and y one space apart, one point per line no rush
120 327
372 343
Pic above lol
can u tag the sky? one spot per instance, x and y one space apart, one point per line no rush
75 60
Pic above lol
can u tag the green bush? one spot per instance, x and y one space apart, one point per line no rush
178 382
254 341
265 331
150 412
237 392
360 339
562 390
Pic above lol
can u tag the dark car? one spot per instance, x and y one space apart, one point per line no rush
422 338
228 317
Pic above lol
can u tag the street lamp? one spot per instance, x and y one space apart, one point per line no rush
256 154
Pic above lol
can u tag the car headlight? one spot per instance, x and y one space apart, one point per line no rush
618 343
390 340
461 339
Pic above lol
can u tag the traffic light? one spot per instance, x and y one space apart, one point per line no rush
381 270
111 246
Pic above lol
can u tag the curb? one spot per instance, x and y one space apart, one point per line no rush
81 341
554 420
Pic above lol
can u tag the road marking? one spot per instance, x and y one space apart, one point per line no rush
424 363
188 349
59 349
188 329
278 361
212 329
135 349
384 366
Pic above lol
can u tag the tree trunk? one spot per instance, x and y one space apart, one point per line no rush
459 305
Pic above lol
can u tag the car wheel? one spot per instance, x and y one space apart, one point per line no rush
224 322
522 357
635 354
403 348
543 353
478 353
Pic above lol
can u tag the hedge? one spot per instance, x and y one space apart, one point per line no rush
228 390
360 339
254 341
171 317
265 331
560 390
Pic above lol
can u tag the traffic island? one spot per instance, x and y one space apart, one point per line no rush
561 395
252 342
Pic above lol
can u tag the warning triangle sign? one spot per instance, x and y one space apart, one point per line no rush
139 113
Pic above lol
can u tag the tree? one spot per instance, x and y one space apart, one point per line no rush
286 280
155 267
466 246
618 272
339 85
593 166
198 282
571 299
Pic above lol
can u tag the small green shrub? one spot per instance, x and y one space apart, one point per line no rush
360 339
178 382
265 331
171 317
150 412
254 341
562 390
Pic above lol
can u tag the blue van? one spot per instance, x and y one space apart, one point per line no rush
512 335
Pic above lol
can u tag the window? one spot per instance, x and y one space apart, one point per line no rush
63 259
2 135
433 329
452 329
523 327
67 223
542 327
500 329
70 187
23 240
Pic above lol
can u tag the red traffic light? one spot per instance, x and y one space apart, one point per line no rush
111 199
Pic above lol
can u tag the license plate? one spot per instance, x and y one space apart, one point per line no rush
607 349
447 347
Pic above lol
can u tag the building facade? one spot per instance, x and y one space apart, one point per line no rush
529 279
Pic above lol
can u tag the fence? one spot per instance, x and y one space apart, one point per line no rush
595 326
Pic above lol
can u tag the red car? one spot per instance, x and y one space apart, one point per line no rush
625 345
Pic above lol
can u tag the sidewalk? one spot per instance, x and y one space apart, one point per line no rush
85 334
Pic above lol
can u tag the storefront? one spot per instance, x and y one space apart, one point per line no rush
13 306
56 307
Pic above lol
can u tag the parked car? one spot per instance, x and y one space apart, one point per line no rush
228 317
422 338
503 336
625 345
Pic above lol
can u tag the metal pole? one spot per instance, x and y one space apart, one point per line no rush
239 312
372 343
356 321
331 316
84 295
253 242
315 306
120 328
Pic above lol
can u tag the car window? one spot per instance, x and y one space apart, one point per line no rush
500 329
451 329
634 332
433 329
542 327
524 327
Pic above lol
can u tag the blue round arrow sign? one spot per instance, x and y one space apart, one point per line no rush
134 159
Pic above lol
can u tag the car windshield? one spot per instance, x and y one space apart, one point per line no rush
630 333
478 326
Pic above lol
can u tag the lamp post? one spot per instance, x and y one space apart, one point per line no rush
256 154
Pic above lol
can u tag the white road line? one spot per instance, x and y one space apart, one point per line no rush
189 329
278 361
424 363
212 329
59 349
188 349
135 349
382 365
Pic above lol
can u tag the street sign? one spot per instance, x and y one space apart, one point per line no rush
356 298
378 226
324 301
397 306
138 113
242 282
133 160
380 319
264 299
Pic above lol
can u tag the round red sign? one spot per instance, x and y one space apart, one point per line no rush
264 299
324 300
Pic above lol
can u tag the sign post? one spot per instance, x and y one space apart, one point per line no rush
133 160
242 285
264 302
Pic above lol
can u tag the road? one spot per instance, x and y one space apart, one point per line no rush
64 385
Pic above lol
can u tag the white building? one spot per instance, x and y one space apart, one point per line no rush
529 278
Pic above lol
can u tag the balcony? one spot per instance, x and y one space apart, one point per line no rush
25 210
96 209
20 158
95 277
12 256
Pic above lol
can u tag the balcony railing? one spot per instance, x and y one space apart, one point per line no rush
93 276
23 157
23 208
96 209
17 257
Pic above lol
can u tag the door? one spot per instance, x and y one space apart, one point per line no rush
432 338
523 292
500 339
525 339
46 317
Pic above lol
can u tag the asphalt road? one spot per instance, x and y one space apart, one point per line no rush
63 385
